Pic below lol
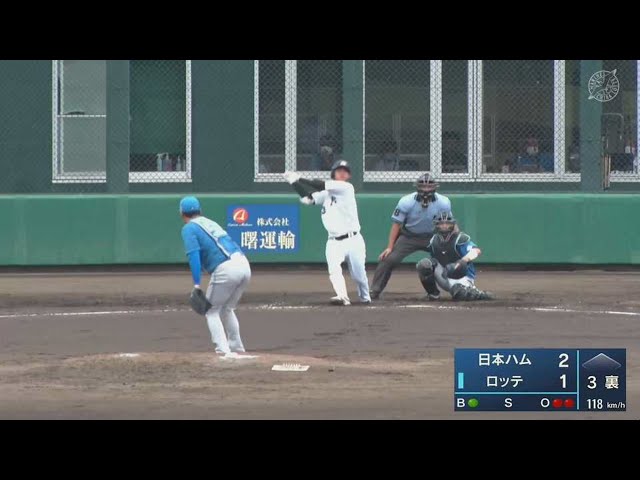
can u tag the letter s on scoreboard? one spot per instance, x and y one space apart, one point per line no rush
508 402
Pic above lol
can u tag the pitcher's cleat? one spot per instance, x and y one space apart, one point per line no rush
237 356
432 297
340 301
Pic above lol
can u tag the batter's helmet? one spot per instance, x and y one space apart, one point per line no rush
339 164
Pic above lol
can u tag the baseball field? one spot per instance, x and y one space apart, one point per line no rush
124 344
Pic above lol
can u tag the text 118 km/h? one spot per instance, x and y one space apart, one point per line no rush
599 404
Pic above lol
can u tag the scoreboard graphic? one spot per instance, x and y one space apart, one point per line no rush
541 379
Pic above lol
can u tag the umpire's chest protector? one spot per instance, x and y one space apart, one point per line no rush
445 251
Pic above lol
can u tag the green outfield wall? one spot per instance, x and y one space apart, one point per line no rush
62 230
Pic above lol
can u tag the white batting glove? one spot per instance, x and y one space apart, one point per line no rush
307 200
291 177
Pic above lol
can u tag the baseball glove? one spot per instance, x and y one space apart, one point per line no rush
199 302
456 270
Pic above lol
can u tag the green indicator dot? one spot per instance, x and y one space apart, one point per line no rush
473 402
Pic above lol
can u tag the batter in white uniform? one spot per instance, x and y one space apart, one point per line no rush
340 218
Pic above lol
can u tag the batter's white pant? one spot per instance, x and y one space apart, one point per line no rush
354 251
228 283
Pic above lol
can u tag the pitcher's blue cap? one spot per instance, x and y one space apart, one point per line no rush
189 205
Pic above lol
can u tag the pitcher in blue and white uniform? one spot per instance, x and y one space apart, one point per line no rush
209 247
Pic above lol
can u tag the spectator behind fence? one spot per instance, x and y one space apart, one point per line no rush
388 159
326 155
530 160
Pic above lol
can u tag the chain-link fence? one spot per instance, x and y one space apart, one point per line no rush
492 125
498 123
177 125
26 159
299 107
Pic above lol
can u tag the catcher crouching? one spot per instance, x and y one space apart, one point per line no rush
451 263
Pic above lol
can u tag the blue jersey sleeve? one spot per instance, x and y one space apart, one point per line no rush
192 249
400 213
190 239
196 266
465 248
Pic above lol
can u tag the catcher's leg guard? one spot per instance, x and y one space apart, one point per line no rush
459 292
426 274
468 293
484 295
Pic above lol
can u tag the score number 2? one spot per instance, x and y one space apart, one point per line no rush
564 358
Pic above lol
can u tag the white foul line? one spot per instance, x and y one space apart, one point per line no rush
569 310
79 314
274 307
527 309
133 312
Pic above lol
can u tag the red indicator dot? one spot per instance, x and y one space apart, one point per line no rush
569 403
557 403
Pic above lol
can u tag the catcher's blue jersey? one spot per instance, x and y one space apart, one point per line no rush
453 250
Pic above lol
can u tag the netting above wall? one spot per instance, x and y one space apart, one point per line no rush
491 122
483 125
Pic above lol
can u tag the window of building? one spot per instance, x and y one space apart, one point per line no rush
519 124
397 118
298 117
160 121
417 119
79 121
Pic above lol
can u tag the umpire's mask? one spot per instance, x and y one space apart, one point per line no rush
426 187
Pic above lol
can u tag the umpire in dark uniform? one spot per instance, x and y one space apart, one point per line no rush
411 231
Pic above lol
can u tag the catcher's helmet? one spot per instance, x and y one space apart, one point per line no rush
444 223
426 187
339 164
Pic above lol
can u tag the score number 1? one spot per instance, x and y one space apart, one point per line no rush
564 358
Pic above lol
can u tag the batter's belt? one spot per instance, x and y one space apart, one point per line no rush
346 235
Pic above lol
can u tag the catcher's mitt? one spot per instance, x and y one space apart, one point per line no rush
199 302
456 270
